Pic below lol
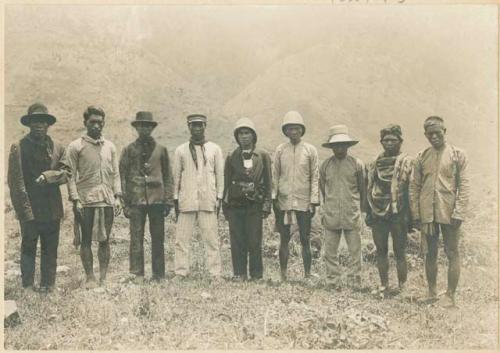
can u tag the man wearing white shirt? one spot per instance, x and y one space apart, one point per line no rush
198 189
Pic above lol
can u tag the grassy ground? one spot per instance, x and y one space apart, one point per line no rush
199 314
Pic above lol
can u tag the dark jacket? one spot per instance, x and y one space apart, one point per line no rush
246 186
27 160
146 176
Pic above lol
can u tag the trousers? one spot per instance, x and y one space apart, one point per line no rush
48 232
332 242
207 222
245 228
138 215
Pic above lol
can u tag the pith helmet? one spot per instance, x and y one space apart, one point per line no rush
293 117
245 122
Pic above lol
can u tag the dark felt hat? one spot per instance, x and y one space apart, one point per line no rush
38 112
144 118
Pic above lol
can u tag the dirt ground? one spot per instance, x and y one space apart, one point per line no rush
197 314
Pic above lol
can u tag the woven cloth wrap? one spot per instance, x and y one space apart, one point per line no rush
381 193
290 218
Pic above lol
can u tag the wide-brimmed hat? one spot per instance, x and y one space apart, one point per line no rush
144 118
293 118
245 123
339 134
38 112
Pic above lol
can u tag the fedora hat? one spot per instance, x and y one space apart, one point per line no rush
339 134
144 118
37 112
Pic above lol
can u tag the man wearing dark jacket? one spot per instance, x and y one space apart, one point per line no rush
34 177
247 200
147 186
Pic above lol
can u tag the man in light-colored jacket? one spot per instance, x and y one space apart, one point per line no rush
198 191
95 190
295 189
439 195
342 184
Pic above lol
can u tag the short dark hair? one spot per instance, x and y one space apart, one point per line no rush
433 121
93 110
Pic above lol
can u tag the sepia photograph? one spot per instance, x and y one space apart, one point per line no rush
251 176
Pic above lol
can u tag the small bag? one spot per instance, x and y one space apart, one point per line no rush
239 190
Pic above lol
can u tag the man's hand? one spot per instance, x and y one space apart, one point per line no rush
176 208
118 206
166 211
415 225
78 208
126 211
312 210
41 180
456 223
369 219
276 205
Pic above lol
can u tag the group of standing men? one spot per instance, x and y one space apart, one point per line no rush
396 192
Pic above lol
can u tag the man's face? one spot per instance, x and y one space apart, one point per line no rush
197 129
293 132
144 130
391 144
435 135
39 129
340 150
245 137
94 125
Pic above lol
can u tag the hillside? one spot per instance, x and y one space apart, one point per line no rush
364 66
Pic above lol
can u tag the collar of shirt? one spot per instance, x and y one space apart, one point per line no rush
295 145
99 141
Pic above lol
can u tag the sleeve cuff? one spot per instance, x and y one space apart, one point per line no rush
457 216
